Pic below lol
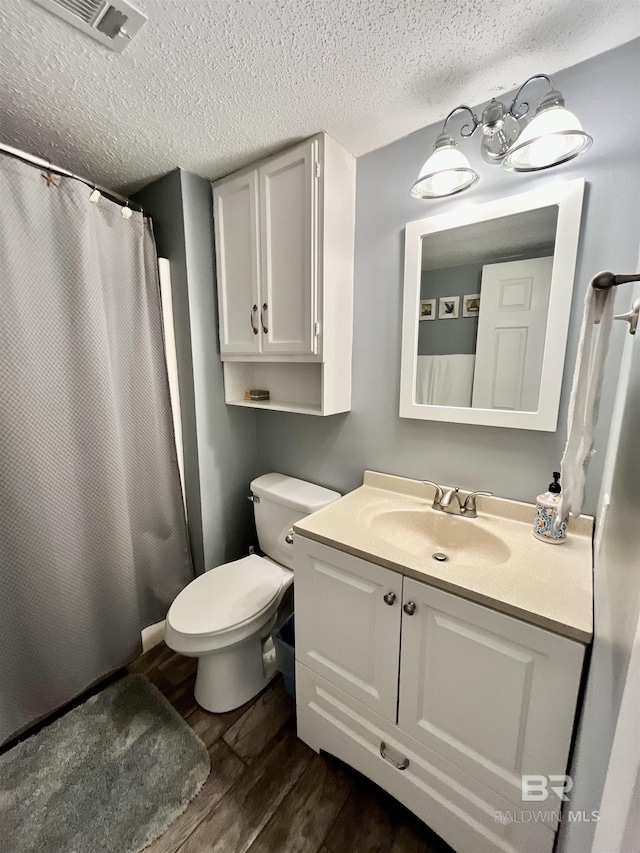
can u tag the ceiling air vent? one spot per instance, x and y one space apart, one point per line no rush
111 22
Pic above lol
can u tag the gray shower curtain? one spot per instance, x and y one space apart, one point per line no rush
93 542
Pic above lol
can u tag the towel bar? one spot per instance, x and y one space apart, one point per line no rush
605 280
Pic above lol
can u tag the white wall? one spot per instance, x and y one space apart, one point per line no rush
512 463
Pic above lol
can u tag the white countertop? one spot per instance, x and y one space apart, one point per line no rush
546 585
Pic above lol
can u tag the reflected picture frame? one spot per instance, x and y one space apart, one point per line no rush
427 309
449 308
471 305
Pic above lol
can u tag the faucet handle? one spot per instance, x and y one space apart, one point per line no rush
469 506
438 495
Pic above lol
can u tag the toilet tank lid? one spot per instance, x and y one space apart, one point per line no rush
293 493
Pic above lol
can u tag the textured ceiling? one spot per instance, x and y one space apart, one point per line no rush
512 236
210 85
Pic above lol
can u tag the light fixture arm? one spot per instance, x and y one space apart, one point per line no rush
525 105
465 131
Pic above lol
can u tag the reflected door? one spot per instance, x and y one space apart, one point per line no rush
511 334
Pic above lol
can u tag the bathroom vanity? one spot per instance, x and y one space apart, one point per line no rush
443 678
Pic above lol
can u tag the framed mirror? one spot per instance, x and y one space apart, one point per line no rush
487 297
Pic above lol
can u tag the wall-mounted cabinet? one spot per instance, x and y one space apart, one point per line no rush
284 233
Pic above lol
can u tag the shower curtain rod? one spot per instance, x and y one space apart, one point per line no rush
59 170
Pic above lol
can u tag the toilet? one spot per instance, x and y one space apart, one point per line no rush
226 617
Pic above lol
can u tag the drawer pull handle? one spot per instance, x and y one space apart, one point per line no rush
254 311
389 598
263 314
399 765
409 608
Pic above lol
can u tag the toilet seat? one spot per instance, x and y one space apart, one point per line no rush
226 597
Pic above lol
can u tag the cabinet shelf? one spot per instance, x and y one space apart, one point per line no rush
294 387
278 406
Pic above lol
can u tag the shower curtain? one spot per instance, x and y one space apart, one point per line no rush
93 543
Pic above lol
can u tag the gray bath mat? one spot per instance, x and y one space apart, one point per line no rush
108 777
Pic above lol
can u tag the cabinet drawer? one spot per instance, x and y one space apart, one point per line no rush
457 807
346 630
489 693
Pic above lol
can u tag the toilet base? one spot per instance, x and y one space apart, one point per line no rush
231 676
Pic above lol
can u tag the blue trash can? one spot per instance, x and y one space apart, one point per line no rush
285 643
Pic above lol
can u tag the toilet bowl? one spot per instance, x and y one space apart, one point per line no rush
226 617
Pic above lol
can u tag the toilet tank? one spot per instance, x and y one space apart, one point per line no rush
279 502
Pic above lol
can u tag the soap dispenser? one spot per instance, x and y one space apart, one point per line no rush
546 512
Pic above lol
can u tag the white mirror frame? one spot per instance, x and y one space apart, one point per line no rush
568 196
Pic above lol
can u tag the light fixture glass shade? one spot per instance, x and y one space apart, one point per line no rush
446 172
553 136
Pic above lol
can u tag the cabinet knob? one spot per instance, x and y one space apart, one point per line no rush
409 608
254 311
289 538
389 598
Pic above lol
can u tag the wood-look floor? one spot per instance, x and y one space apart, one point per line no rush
267 791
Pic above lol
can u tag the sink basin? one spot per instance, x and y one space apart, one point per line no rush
425 532
493 560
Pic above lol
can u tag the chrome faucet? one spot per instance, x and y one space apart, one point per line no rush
447 500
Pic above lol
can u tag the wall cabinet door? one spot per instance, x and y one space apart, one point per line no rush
288 236
237 258
348 623
493 695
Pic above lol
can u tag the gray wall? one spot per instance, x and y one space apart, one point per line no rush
513 463
448 337
219 440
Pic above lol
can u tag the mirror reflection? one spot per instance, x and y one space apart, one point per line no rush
483 310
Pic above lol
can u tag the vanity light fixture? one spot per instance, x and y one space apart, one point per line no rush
553 136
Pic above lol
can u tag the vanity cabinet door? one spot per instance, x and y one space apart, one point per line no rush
491 694
348 623
236 226
288 236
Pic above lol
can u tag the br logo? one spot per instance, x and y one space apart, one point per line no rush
536 788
